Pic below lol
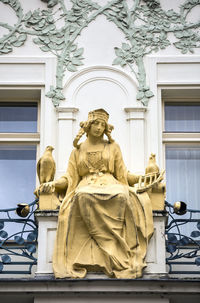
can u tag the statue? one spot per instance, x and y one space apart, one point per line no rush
104 224
46 169
46 166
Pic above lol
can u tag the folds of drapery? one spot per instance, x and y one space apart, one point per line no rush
102 228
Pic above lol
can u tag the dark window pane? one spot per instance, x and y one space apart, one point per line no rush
18 117
182 117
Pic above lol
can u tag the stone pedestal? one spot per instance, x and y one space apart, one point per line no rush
157 197
49 201
156 251
47 224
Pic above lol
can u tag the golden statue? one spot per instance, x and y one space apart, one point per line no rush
104 224
46 166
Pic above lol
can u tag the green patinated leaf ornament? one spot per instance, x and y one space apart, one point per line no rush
145 24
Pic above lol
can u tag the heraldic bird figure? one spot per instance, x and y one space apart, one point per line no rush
46 166
152 167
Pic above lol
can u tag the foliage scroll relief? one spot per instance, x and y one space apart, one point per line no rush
145 23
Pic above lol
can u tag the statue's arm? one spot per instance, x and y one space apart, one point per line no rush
132 179
61 184
120 171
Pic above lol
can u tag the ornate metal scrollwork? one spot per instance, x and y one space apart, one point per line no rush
18 239
183 249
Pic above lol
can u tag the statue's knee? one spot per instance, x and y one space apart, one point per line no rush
81 197
121 197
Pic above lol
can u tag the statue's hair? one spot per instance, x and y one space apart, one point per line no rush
85 126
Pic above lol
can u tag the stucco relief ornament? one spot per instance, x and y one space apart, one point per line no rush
105 220
145 24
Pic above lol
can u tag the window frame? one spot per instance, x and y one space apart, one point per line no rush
20 138
178 139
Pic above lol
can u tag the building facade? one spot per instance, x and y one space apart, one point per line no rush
140 61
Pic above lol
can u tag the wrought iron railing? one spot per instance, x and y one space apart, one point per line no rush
18 243
183 248
18 239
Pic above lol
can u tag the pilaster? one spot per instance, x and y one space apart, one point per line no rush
136 119
66 117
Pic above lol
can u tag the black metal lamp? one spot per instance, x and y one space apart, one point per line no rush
180 208
22 210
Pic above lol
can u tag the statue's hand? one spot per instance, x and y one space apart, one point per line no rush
151 180
48 187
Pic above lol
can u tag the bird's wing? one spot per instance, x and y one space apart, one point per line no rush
38 169
53 169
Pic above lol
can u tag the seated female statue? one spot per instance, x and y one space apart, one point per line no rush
103 225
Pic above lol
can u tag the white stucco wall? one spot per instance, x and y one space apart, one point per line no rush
138 128
99 84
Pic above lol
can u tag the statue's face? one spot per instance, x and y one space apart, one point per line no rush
97 128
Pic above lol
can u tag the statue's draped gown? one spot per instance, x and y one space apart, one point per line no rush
103 224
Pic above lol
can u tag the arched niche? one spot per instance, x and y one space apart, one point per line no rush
103 87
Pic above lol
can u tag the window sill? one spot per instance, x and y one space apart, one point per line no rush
181 137
20 137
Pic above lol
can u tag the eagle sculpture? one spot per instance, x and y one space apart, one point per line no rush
46 166
152 167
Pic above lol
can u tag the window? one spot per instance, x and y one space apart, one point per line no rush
181 138
19 138
18 117
182 117
17 176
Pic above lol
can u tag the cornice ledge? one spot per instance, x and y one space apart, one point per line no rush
135 109
62 109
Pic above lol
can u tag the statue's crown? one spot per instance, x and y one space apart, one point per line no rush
98 114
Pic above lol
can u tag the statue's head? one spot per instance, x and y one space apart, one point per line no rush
95 115
98 114
49 148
